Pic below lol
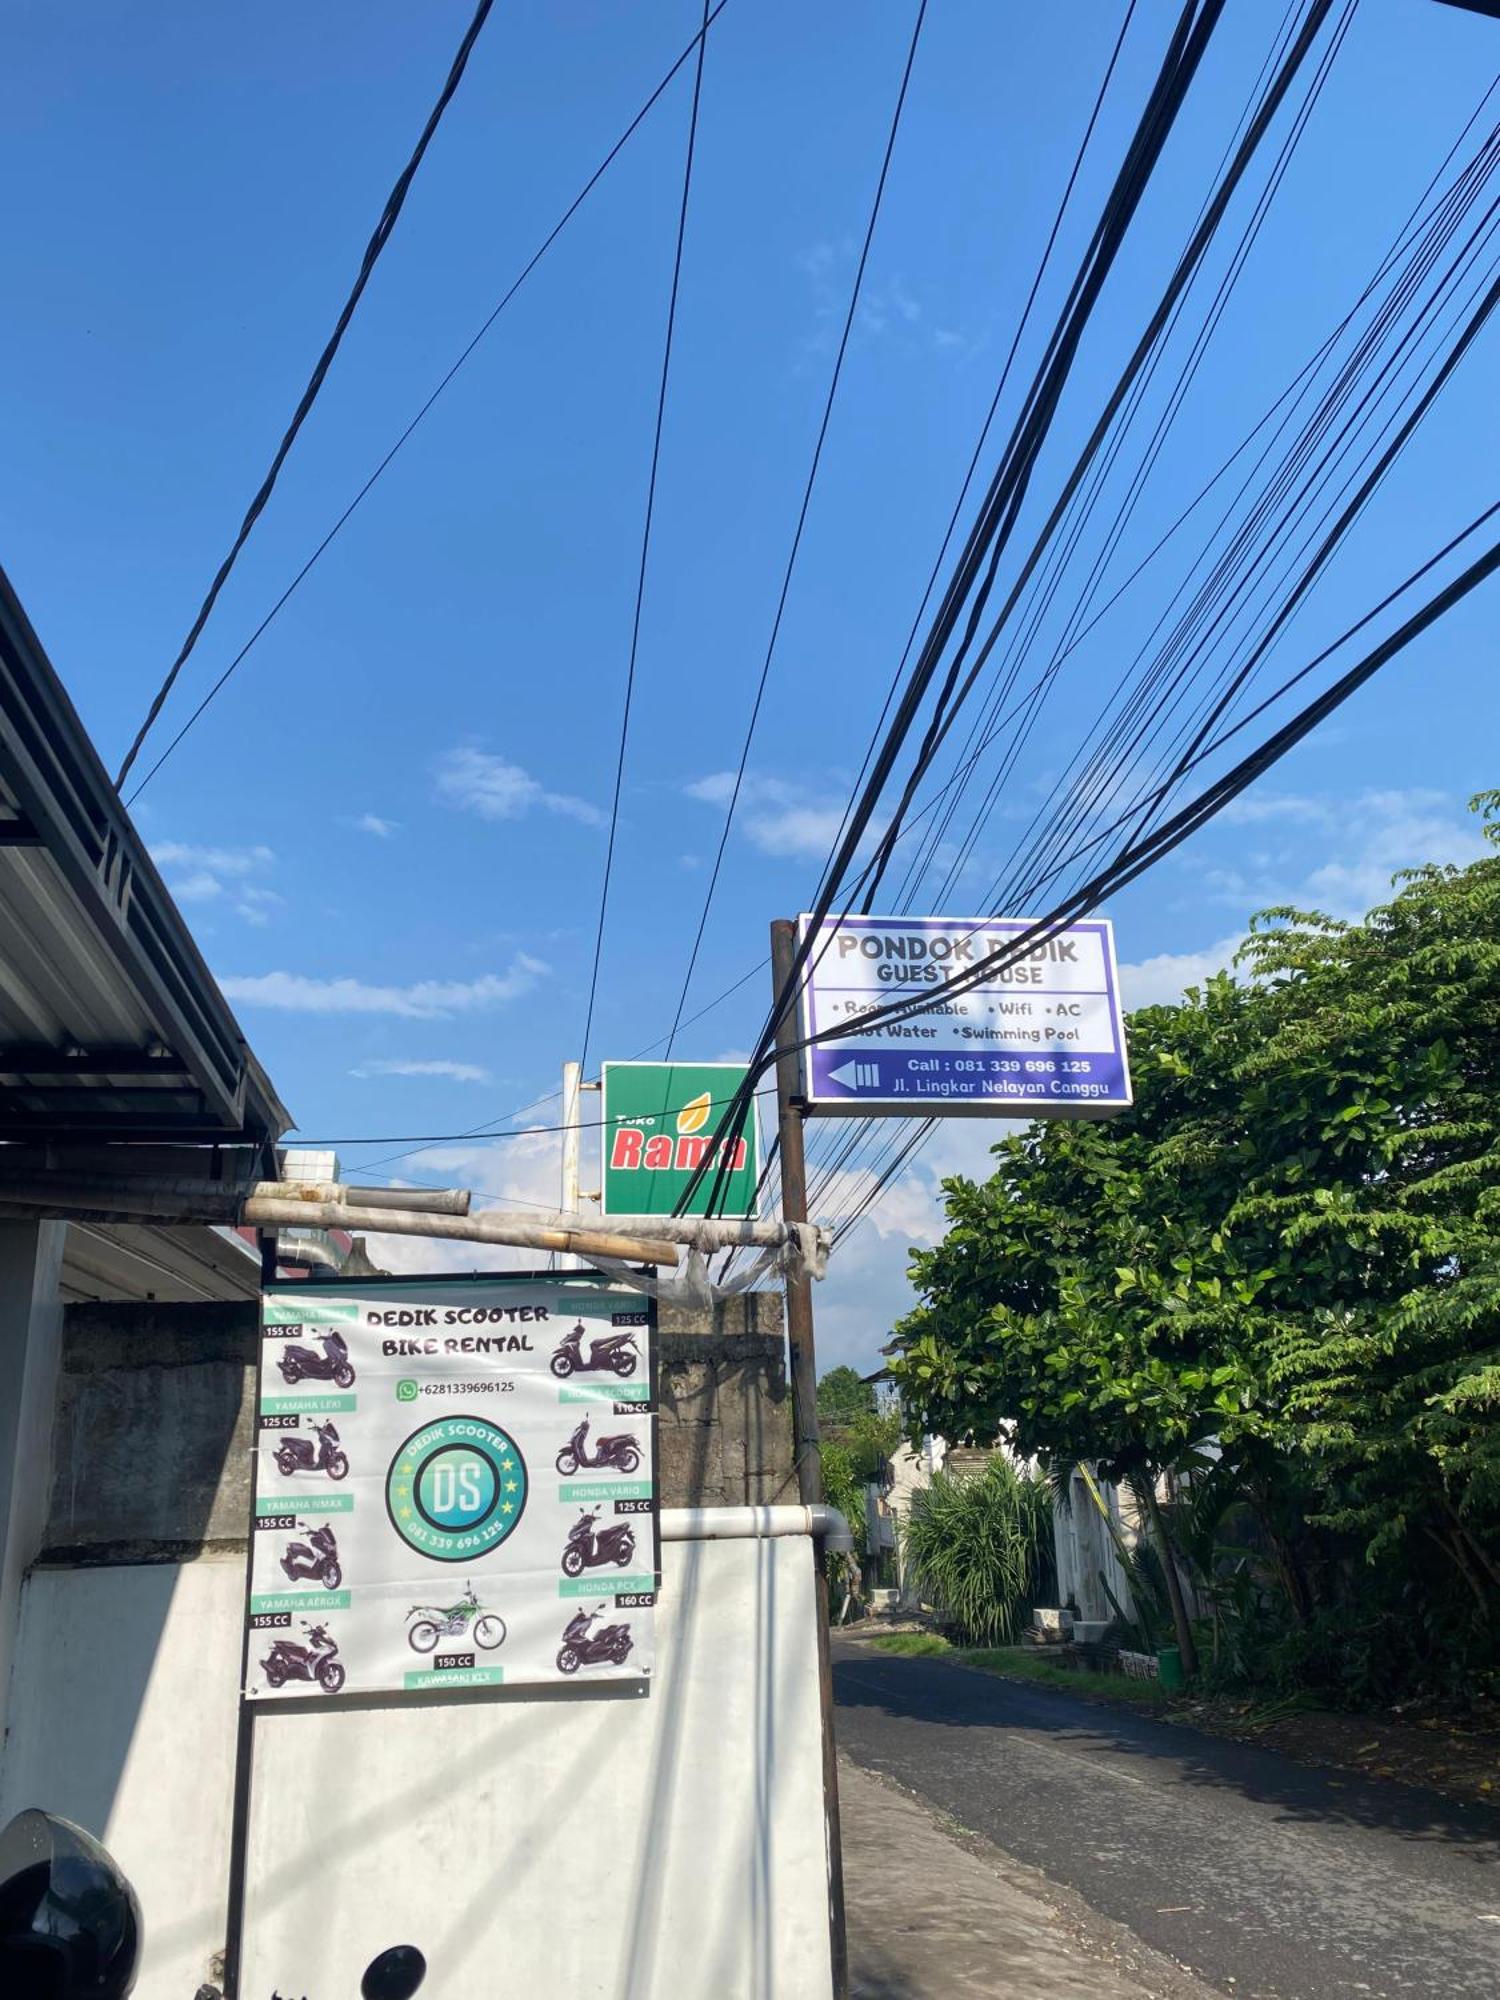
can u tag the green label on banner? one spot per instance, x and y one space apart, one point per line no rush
280 1309
302 1600
661 1127
605 1489
306 1406
456 1677
602 1585
306 1503
608 1392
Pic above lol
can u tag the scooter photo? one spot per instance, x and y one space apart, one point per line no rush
589 1548
314 1561
583 1647
316 1661
607 1350
454 1621
621 1451
301 1364
300 1454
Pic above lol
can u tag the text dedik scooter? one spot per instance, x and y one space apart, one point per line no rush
583 1647
316 1661
589 1549
300 1454
299 1364
614 1351
621 1451
316 1560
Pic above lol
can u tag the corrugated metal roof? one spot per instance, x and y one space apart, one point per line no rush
111 1024
156 1261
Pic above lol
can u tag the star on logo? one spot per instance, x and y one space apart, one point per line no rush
510 1486
507 1507
405 1513
407 1467
507 1465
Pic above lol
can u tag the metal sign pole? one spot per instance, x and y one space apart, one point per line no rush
804 1372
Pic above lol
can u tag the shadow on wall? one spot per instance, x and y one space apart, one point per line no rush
127 1661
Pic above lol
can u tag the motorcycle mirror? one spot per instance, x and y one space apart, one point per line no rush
395 1974
70 1925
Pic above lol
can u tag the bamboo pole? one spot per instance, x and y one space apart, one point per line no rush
492 1226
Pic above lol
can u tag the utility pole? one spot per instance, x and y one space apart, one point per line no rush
804 1372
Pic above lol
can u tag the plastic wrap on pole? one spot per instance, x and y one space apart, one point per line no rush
491 1226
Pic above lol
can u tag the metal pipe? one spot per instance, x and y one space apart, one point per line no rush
741 1524
409 1201
268 1212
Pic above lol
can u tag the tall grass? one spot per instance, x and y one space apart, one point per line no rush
979 1548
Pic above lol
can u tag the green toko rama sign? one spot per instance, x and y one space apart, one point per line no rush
659 1125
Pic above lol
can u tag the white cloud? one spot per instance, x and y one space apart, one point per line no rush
455 1072
218 860
523 1172
373 823
255 905
211 871
473 781
199 887
787 822
428 999
1355 845
1152 982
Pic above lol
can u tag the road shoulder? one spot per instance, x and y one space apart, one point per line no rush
934 1909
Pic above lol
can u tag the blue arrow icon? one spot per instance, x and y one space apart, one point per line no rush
857 1075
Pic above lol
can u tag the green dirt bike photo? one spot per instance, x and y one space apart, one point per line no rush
455 1621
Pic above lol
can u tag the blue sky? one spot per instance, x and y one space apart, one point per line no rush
388 831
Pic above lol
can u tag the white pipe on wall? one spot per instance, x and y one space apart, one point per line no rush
739 1524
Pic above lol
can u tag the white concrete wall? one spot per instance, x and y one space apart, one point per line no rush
606 1844
30 1340
657 1847
123 1712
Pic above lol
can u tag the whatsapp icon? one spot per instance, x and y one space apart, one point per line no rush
407 1391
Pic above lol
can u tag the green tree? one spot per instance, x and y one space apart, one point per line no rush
1289 1248
843 1396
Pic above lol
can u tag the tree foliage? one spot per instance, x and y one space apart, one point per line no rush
1291 1248
843 1396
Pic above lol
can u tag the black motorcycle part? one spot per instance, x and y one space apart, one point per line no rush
395 1974
70 1925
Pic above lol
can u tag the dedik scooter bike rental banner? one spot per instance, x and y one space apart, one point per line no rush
454 1486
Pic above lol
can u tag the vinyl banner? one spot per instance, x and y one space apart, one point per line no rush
454 1486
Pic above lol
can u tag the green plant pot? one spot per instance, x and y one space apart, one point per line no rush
1169 1668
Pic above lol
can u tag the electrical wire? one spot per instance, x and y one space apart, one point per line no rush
640 585
384 228
443 382
807 494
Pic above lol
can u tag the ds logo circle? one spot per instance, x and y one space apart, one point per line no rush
456 1488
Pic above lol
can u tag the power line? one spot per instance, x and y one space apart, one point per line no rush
640 586
807 493
484 1131
384 228
418 1139
515 286
975 575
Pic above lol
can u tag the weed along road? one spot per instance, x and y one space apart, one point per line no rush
1266 1879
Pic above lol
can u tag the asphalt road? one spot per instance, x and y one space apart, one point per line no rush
1268 1880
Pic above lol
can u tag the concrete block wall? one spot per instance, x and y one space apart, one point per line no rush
153 1432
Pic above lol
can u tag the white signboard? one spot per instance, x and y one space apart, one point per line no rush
1042 1037
454 1486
